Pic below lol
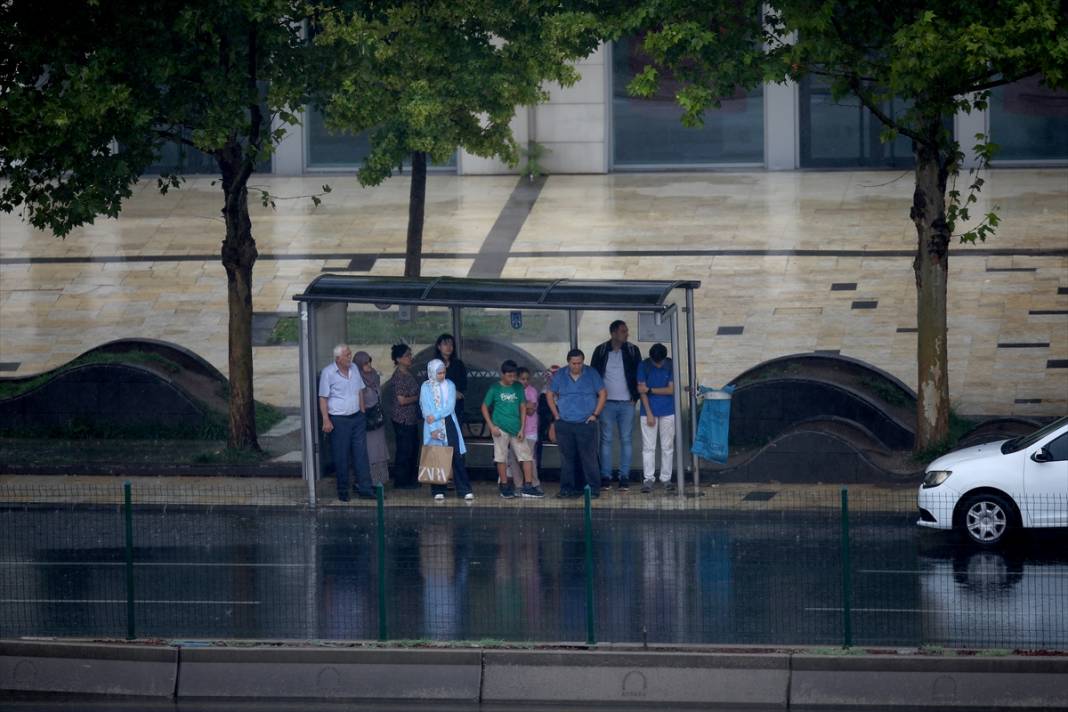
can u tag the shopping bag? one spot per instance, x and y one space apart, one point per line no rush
435 464
714 424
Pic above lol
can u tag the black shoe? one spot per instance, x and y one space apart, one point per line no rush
606 482
624 485
343 496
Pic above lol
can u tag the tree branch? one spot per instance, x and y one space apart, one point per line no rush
869 103
996 82
176 137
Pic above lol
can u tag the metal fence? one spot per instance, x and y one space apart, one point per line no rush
760 565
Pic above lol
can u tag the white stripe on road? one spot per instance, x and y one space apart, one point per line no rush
884 610
123 600
149 563
969 573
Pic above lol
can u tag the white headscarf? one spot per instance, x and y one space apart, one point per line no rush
436 388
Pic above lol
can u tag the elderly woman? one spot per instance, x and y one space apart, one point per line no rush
405 418
377 452
437 398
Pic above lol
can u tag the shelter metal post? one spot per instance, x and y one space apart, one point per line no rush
572 327
309 461
457 328
691 372
676 376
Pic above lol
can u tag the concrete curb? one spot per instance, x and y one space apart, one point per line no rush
87 669
310 673
636 678
736 678
914 681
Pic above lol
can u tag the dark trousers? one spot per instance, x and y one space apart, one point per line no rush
459 469
408 440
578 448
348 443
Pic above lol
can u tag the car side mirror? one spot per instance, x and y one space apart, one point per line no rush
1042 455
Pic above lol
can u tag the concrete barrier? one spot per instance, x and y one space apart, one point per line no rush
635 678
917 681
317 673
87 669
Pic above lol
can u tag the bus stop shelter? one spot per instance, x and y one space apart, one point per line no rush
532 321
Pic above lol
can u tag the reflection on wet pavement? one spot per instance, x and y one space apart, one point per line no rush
754 578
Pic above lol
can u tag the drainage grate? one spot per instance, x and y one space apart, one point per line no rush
758 496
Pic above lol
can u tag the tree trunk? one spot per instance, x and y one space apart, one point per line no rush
238 256
932 271
416 209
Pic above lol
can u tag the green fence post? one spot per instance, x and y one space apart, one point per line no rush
128 515
383 630
847 580
590 638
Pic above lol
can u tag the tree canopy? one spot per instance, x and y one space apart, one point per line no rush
90 92
426 79
939 57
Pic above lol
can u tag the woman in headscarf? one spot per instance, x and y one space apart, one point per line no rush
377 452
437 398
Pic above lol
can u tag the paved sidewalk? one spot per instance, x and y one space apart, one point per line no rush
292 492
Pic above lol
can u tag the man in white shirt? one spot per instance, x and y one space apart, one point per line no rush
341 407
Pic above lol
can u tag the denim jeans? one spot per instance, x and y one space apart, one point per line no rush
617 415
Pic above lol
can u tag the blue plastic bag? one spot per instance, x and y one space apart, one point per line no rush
714 424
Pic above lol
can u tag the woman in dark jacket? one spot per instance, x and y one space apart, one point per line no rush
407 423
455 370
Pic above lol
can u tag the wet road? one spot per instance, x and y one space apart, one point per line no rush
488 574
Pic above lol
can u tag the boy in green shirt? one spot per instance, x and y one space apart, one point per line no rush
505 414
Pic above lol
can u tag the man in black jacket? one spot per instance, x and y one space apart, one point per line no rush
616 360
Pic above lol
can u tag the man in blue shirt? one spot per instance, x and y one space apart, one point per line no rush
576 398
656 386
341 408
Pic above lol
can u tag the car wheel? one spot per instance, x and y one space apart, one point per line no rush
986 518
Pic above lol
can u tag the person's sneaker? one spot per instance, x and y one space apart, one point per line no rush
469 497
532 491
624 485
343 496
606 482
647 487
439 497
507 490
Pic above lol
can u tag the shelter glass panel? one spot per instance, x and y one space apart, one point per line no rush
533 338
649 131
1029 121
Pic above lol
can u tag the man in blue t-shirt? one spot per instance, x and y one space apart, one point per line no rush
656 388
576 397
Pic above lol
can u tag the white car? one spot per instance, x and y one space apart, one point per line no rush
989 490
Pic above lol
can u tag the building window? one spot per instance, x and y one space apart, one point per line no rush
845 134
649 131
1029 121
174 157
329 149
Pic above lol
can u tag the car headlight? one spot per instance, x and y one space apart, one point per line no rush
935 478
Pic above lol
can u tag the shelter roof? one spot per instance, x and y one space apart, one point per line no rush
602 295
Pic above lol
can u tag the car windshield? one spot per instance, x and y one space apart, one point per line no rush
1017 444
